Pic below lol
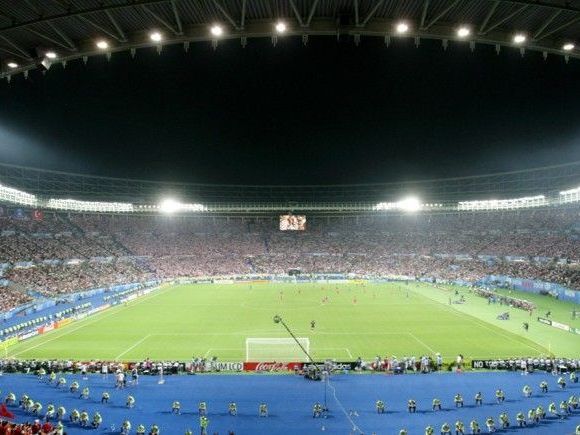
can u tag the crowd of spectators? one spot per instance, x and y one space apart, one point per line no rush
34 428
110 249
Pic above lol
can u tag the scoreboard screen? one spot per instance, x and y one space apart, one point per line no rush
292 222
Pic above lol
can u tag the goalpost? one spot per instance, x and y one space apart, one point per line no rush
276 349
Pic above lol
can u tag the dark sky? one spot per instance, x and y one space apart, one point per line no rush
322 114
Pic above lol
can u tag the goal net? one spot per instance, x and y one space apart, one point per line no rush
276 349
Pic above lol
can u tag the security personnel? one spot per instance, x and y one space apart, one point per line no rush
380 407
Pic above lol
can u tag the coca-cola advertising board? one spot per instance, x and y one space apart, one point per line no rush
265 367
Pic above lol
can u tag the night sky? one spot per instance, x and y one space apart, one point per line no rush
327 113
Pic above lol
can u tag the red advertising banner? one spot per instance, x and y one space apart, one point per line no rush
263 367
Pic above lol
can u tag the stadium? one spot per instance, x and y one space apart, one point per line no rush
443 300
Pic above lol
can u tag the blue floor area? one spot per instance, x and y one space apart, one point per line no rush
351 399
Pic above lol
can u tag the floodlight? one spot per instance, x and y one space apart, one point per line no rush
50 54
463 32
102 44
217 30
410 204
281 27
155 36
169 205
402 27
519 38
12 65
568 47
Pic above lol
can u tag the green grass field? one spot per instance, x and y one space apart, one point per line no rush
178 322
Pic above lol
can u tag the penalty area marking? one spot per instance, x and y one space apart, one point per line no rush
421 342
132 347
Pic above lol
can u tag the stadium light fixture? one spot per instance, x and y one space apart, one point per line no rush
217 30
50 55
169 206
402 28
102 44
519 38
463 32
156 36
410 204
281 27
568 46
12 65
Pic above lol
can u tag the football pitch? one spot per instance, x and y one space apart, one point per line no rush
179 322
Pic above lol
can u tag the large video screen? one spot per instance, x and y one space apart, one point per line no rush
292 222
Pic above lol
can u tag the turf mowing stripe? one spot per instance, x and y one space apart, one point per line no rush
85 322
480 323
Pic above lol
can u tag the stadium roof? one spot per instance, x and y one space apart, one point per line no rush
549 181
71 29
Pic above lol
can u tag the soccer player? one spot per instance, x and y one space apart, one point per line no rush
74 387
478 399
436 405
561 382
490 423
130 402
445 429
573 402
154 430
474 426
403 432
429 430
125 427
458 399
176 407
203 424
504 420
544 386
97 420
140 430
263 410
74 416
317 410
85 393
521 419
233 409
105 397
52 377
41 373
380 407
499 396
412 405
459 428
527 390
202 408
135 376
60 413
312 324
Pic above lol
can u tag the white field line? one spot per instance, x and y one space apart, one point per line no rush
89 321
422 343
479 323
132 347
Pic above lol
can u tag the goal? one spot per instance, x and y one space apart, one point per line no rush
276 349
